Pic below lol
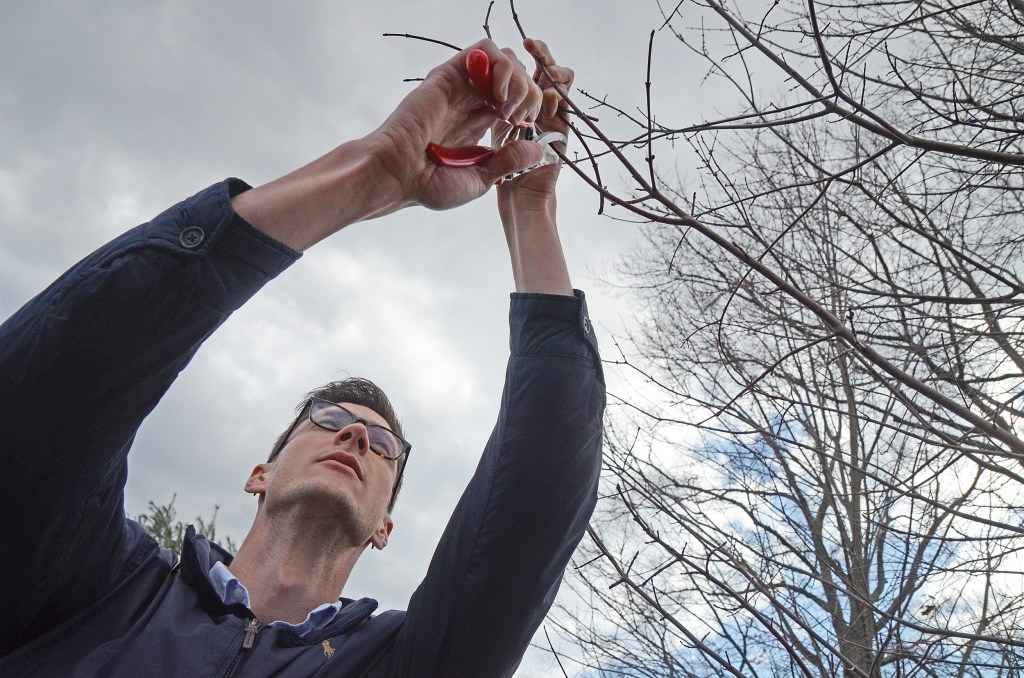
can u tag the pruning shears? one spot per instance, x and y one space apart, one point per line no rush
478 66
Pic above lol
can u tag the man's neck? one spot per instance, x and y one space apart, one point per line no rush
289 573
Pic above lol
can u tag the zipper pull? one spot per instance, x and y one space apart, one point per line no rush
250 634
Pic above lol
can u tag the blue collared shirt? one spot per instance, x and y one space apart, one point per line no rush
232 591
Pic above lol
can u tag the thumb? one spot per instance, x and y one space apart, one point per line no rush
512 157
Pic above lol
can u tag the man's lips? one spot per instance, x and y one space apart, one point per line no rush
344 459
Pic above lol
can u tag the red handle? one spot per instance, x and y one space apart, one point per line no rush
464 156
478 65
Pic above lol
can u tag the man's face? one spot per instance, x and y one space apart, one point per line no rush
331 479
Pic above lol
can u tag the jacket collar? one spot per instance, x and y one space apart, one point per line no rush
198 555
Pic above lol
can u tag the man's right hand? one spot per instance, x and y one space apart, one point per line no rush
389 169
447 110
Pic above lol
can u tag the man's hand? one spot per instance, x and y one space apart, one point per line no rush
527 203
534 192
389 169
447 110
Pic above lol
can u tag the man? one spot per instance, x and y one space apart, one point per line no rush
85 592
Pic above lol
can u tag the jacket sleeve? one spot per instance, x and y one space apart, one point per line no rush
498 565
81 365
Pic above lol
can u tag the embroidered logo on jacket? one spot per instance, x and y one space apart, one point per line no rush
328 650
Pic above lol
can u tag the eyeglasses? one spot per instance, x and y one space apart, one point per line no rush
383 441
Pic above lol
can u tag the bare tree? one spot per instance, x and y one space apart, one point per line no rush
819 470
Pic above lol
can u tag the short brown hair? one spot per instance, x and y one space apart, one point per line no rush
357 391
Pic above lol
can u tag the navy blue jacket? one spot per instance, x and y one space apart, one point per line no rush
86 592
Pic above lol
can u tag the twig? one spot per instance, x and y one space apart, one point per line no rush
647 85
487 20
424 39
550 644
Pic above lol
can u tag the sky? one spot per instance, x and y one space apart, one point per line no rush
111 112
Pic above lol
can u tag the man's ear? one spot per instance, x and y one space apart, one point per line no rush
258 479
379 539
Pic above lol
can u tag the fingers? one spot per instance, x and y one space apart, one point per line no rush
518 97
523 95
552 99
547 75
510 158
542 54
549 108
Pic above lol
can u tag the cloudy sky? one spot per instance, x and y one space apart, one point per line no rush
110 112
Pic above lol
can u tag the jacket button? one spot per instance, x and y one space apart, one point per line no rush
192 237
586 324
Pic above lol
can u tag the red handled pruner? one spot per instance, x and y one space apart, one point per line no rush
478 65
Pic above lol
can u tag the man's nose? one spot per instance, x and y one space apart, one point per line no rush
355 433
